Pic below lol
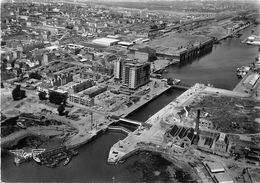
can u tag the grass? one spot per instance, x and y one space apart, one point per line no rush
226 111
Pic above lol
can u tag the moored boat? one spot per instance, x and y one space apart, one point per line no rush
67 161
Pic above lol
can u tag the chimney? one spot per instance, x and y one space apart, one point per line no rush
197 122
91 119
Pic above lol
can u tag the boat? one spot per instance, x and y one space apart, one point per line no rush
176 81
18 160
67 161
75 153
171 81
21 125
242 71
36 153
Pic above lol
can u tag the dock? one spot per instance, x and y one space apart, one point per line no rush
152 139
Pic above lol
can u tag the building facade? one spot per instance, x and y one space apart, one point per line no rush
81 99
82 86
136 74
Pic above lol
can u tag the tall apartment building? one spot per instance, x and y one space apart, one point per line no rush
136 74
118 67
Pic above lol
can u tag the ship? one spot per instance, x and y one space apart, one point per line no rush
253 40
18 160
22 158
242 71
67 161
21 125
35 153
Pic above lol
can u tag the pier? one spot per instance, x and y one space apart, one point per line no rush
152 138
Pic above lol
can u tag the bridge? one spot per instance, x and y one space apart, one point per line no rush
130 121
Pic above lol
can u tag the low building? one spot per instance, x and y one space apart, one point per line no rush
182 136
78 87
221 144
214 167
105 41
95 90
251 80
222 178
89 74
81 99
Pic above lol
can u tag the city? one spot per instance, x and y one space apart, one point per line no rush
130 91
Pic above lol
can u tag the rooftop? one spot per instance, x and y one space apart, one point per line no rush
223 178
215 167
176 43
105 41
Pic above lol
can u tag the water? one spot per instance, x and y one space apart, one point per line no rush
151 108
89 165
217 68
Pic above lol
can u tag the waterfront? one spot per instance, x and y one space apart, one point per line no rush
217 68
89 166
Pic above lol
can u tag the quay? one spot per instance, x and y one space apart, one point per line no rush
130 121
118 129
235 32
153 137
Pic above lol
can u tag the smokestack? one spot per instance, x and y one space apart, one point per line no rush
197 122
91 119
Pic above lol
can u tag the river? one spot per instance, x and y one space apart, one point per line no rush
217 68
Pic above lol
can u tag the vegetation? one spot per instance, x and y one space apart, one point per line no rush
17 93
42 95
231 114
57 98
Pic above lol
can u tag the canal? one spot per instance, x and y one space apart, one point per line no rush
217 68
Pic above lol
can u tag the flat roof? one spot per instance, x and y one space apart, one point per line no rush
105 40
223 178
176 42
215 167
125 43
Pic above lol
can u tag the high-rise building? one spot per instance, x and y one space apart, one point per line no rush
136 74
118 67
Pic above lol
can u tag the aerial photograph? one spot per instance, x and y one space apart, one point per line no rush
126 91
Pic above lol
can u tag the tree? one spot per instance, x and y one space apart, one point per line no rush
17 93
42 95
2 85
35 75
61 109
4 64
57 98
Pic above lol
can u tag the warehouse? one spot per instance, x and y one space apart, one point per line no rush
105 41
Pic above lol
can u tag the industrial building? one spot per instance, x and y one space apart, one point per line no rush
105 41
181 47
136 74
